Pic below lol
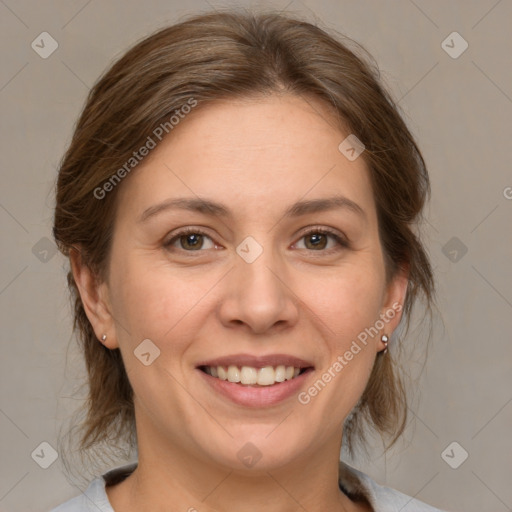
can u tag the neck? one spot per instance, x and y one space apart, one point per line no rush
172 478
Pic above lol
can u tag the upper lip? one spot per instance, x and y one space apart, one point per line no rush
257 361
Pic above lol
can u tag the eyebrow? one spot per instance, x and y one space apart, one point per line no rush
209 207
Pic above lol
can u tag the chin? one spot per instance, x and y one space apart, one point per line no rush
259 448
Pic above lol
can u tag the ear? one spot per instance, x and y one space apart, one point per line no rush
95 299
393 303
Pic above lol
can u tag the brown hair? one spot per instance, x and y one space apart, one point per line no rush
217 56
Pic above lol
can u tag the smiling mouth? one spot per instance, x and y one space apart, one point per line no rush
252 376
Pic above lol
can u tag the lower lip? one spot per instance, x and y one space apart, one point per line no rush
257 396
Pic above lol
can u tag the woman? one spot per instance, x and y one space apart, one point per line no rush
238 205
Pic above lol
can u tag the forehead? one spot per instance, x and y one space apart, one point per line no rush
248 152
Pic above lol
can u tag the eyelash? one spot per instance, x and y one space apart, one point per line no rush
341 241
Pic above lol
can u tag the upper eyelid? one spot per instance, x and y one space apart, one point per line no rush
321 229
340 238
185 231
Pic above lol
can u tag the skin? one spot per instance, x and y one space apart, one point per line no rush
257 157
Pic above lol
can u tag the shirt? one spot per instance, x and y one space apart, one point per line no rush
354 483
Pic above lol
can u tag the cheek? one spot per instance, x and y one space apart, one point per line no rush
347 301
152 302
348 304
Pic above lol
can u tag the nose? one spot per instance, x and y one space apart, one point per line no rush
259 296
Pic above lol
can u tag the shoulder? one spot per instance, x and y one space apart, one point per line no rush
94 498
383 499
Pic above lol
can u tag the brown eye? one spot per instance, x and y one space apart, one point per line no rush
316 241
190 241
320 240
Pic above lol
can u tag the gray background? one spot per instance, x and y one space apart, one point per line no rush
460 110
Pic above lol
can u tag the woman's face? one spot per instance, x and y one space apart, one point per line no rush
247 239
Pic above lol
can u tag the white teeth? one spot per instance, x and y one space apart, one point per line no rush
266 376
248 375
280 373
233 374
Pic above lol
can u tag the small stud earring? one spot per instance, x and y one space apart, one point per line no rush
385 340
104 337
